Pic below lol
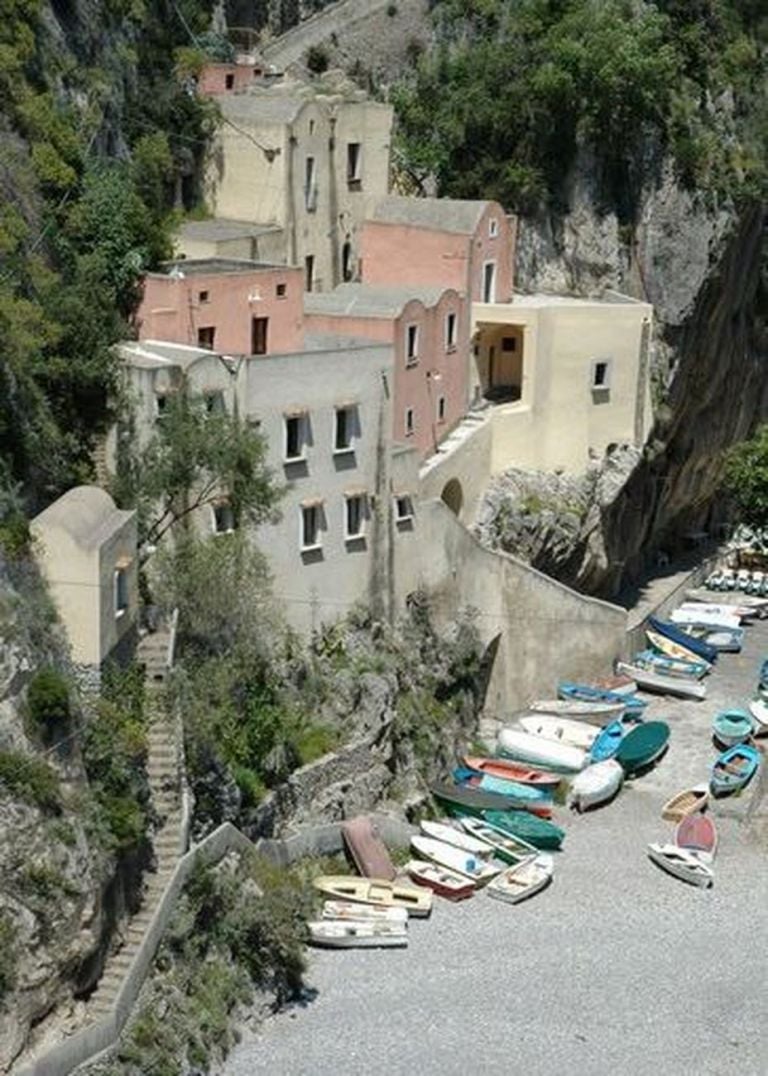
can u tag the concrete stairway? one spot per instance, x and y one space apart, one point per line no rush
152 653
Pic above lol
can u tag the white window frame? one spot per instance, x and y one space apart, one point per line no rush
486 264
349 447
317 508
493 228
355 175
362 500
410 427
121 600
411 355
404 501
451 330
603 386
440 412
301 419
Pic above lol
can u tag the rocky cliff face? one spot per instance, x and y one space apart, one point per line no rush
702 265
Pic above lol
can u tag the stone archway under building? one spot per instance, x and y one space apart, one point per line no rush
453 496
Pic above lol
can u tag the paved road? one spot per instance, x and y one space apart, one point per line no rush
616 969
291 46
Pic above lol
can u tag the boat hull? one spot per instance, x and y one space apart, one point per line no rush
541 834
378 892
696 646
734 769
685 803
364 934
593 713
561 730
731 727
522 881
681 864
444 883
664 685
540 752
642 746
698 834
513 771
596 784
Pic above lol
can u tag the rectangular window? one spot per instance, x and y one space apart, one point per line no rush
403 508
441 409
259 328
121 591
280 291
601 375
411 344
205 337
508 343
203 296
309 271
310 185
493 228
342 440
214 403
354 516
161 405
450 332
354 160
409 426
489 282
229 82
223 518
294 437
311 519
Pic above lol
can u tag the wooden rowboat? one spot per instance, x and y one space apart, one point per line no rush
652 661
521 797
607 743
731 727
682 864
673 649
367 849
512 771
348 909
440 831
541 752
504 846
679 686
522 881
475 868
444 882
724 640
685 803
377 891
617 683
595 713
357 934
596 784
587 693
697 833
734 769
671 631
576 733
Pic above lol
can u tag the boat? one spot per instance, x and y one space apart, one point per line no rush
348 909
376 891
357 934
586 693
672 649
576 733
668 666
514 771
762 676
734 769
642 746
697 833
758 707
685 803
440 831
754 604
535 830
596 784
724 640
522 881
618 684
681 864
460 800
607 743
671 631
540 752
731 727
743 609
504 846
664 685
596 713
704 616
520 797
367 849
444 882
477 869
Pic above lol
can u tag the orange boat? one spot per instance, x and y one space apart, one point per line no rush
509 770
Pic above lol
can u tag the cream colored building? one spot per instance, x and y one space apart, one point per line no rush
294 172
86 548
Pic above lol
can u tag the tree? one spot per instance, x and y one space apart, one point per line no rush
195 459
746 479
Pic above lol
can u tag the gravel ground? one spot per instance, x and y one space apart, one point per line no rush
615 968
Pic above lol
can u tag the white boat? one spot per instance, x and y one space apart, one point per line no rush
561 729
658 684
440 880
682 864
672 649
595 713
455 859
523 880
700 616
744 604
439 831
357 934
596 784
347 909
538 751
758 707
503 845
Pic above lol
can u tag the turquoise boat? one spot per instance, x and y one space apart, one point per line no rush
607 743
733 769
586 693
504 786
642 746
732 726
537 831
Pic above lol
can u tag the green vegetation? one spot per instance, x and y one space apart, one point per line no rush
745 480
49 704
29 779
7 955
512 90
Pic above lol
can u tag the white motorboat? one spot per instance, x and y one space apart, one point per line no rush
596 784
539 751
357 934
455 859
682 864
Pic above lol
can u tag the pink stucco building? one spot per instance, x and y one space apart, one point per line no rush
428 329
216 79
464 245
227 305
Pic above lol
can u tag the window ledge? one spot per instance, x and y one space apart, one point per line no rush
294 459
311 548
120 612
352 539
404 519
412 362
450 348
348 451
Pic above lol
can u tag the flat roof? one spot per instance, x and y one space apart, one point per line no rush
184 267
220 228
541 300
457 215
369 300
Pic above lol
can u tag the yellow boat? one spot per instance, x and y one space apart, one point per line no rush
671 649
376 891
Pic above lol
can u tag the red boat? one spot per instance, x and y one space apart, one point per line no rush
440 880
697 833
367 849
508 770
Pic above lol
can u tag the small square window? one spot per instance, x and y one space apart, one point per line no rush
294 438
409 422
450 331
411 345
354 516
281 291
223 518
493 228
214 403
203 296
601 375
206 336
508 343
311 526
403 508
441 409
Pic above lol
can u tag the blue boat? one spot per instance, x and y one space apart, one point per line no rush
732 726
724 640
734 769
607 743
586 693
762 679
515 790
673 632
655 662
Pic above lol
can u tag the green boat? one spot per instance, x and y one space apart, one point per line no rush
459 800
642 745
537 831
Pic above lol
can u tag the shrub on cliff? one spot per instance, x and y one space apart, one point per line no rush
48 701
746 479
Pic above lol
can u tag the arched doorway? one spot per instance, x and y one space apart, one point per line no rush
453 496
